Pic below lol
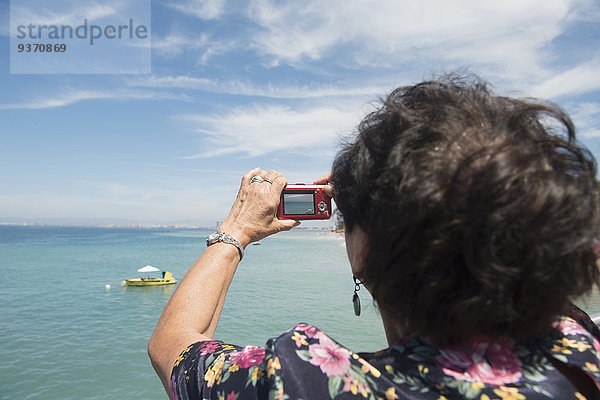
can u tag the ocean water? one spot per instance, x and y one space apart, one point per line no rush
64 336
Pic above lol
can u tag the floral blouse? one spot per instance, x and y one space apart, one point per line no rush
305 363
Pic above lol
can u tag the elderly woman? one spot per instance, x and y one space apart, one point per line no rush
469 217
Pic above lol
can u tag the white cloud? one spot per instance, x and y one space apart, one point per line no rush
237 87
510 35
203 9
259 130
174 82
176 44
68 97
581 79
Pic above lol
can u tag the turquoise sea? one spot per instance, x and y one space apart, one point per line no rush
64 336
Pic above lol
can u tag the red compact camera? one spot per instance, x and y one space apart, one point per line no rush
304 202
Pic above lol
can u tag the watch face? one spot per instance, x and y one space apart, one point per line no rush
212 237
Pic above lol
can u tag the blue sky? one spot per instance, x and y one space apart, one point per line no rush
241 84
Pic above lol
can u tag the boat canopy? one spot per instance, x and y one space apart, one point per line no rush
148 268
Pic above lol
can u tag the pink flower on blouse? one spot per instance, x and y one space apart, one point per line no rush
569 327
209 347
331 358
485 360
249 356
231 396
453 358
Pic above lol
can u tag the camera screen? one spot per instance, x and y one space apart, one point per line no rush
298 204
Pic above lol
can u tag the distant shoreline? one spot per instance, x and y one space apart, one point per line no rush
116 226
137 226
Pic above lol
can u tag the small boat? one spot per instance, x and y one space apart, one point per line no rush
256 244
165 279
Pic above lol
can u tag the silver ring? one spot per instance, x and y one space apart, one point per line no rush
260 179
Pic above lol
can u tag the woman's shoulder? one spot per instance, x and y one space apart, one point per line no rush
305 362
485 368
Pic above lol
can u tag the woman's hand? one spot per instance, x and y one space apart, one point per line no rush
253 214
324 180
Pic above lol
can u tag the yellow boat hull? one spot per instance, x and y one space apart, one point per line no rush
148 282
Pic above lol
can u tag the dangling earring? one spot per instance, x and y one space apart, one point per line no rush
355 298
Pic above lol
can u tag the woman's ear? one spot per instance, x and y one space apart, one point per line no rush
358 245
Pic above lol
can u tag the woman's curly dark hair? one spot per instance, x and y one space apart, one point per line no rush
481 210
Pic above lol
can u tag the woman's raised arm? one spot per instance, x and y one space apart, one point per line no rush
192 312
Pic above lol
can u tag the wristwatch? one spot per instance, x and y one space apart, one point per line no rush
219 236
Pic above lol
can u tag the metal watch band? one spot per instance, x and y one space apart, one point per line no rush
219 236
